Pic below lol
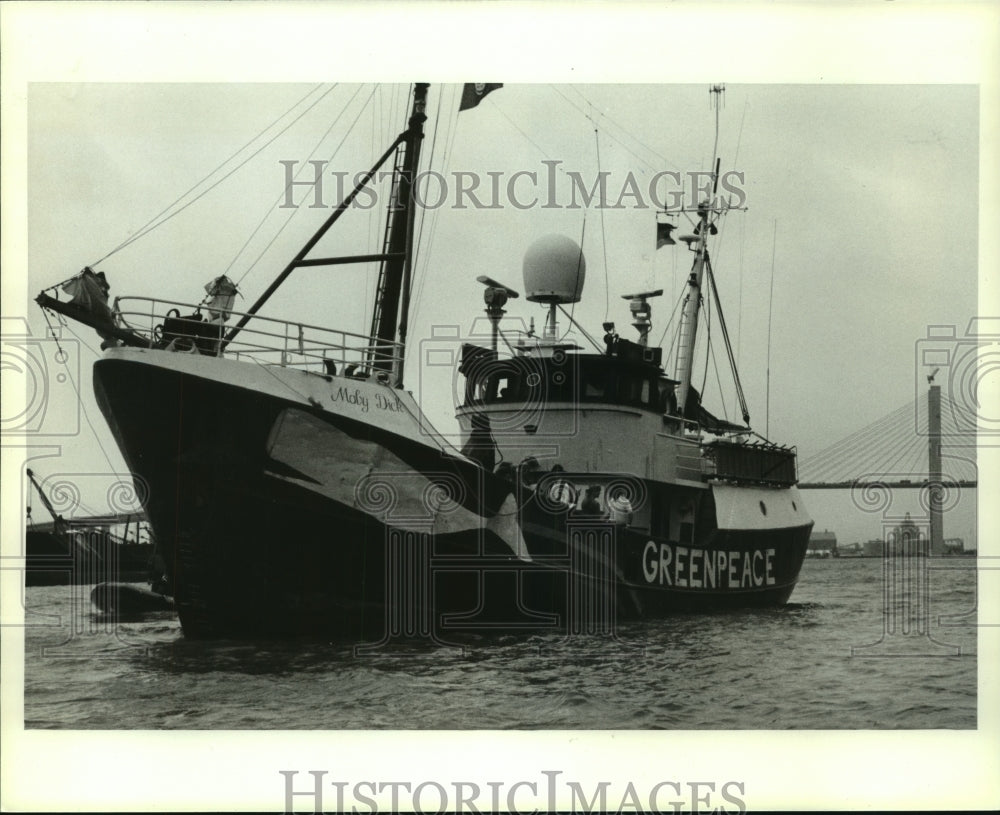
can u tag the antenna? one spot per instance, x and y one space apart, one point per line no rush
770 304
639 306
495 296
717 92
707 212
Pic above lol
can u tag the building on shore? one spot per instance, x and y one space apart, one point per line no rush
908 539
822 544
956 546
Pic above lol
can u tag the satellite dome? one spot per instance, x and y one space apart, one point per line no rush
554 270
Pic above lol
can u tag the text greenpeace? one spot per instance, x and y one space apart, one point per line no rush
671 565
548 187
315 793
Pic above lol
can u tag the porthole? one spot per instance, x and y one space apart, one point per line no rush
763 509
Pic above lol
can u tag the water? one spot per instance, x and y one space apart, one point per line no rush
769 669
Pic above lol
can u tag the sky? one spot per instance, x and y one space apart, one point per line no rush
859 229
867 135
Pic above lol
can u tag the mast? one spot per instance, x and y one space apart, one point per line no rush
410 138
389 318
692 303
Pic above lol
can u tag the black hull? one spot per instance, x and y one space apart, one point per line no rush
75 558
48 560
256 546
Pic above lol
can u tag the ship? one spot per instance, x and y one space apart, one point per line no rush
81 550
295 486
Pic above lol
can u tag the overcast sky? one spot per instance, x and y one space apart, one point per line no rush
867 196
870 170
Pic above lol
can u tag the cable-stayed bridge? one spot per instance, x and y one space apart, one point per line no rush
912 447
928 444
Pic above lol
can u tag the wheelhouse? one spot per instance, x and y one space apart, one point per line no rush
624 378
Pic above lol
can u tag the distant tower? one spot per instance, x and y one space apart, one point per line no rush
906 538
906 615
934 466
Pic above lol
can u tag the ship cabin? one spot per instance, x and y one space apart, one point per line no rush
588 412
554 376
598 421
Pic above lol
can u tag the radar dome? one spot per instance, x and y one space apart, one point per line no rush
554 270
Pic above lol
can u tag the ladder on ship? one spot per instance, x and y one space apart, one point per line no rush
397 170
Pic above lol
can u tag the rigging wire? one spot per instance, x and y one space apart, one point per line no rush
600 349
295 211
670 320
770 305
729 346
378 216
739 311
604 241
514 124
739 135
648 164
417 254
579 268
372 146
675 338
158 221
708 339
451 130
76 389
288 186
659 156
718 381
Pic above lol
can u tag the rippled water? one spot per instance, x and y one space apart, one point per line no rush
773 669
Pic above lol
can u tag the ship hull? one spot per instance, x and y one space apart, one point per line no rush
276 517
81 557
737 569
49 559
287 507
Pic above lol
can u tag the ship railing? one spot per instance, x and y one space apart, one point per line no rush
751 462
189 328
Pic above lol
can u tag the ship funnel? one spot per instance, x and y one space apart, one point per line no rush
554 270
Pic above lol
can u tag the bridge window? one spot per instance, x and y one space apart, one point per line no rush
504 388
573 379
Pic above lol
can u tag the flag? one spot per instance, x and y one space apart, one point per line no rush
663 235
473 92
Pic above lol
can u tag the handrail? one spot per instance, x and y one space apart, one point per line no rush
266 340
